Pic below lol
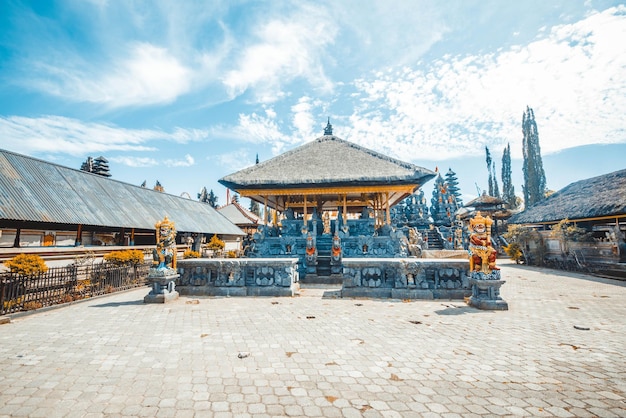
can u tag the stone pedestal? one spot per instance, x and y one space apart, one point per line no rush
486 291
163 286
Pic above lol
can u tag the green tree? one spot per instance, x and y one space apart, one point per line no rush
212 200
534 175
254 207
203 196
508 190
565 232
496 189
488 161
519 237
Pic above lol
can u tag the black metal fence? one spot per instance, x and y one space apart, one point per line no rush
66 284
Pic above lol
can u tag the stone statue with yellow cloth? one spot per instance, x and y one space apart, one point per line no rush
483 255
484 275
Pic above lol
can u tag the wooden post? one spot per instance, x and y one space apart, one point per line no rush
388 210
345 210
16 242
265 210
79 236
306 226
132 236
274 213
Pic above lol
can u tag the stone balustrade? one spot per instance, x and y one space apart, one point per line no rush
238 276
406 278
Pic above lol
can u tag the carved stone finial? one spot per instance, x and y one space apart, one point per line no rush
328 130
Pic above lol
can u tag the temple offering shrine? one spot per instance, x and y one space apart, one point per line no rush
326 200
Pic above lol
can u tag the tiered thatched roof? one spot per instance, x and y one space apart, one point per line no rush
597 197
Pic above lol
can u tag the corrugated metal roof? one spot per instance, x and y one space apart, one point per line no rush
39 191
328 160
239 215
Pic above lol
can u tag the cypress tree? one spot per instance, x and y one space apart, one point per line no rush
254 207
496 189
488 160
508 191
534 176
203 196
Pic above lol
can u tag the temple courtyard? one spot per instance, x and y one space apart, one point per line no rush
557 351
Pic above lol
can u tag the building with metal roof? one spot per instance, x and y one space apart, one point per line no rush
240 216
37 195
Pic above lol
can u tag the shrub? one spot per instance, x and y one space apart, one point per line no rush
215 243
26 264
9 304
565 231
32 305
514 251
231 254
125 257
191 254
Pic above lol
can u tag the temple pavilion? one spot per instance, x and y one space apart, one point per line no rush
329 174
327 187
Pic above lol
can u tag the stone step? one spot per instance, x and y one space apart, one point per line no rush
329 279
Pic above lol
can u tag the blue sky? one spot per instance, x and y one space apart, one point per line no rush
188 92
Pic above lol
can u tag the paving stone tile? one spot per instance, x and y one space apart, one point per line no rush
520 362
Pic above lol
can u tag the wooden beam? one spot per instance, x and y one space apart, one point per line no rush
325 191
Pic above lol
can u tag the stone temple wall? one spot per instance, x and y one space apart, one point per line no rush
238 277
406 278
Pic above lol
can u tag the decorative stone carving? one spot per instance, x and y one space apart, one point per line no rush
485 276
483 256
162 274
164 254
336 256
311 255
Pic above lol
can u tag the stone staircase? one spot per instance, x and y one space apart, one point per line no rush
323 276
434 240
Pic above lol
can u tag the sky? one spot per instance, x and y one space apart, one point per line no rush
188 92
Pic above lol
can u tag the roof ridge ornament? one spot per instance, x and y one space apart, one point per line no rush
328 130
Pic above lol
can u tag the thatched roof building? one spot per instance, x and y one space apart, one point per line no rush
594 199
489 205
326 171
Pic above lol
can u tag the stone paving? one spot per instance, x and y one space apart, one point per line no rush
558 351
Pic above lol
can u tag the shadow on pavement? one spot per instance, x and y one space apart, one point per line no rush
116 304
458 310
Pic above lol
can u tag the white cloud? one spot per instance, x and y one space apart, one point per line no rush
56 134
302 118
188 161
146 75
233 161
257 128
287 48
135 161
571 78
